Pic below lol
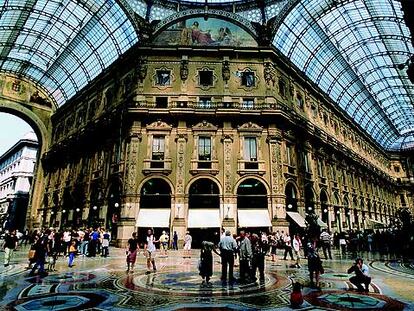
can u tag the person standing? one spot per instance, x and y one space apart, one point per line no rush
72 253
131 252
206 262
297 245
361 275
41 249
288 246
10 245
149 250
246 254
188 239
164 243
175 241
93 243
67 238
106 238
326 241
228 247
259 249
314 266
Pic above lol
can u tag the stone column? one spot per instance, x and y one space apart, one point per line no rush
277 195
179 208
229 200
130 204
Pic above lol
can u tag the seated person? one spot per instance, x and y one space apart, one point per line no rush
361 275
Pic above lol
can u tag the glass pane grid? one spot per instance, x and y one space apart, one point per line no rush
369 37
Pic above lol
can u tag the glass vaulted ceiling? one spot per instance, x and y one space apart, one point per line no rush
62 44
350 49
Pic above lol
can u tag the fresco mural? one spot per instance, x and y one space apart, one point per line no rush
200 32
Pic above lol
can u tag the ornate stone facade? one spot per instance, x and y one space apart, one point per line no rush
280 131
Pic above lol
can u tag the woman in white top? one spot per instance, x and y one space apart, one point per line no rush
187 244
149 251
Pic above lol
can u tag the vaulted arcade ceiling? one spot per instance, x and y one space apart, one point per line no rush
349 48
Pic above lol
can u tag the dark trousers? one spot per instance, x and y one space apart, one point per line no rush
325 247
92 248
358 281
40 264
244 270
227 259
105 251
288 249
258 263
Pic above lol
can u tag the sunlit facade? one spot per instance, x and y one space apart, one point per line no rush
183 115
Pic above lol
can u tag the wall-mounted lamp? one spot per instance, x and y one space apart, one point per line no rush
116 204
325 210
94 207
52 212
289 206
78 209
64 211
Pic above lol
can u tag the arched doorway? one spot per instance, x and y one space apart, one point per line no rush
356 213
324 207
291 198
309 200
337 212
347 212
204 211
252 206
154 208
113 213
38 116
67 206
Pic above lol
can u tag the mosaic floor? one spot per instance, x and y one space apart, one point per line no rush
102 284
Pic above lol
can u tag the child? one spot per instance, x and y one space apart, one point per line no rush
72 253
296 297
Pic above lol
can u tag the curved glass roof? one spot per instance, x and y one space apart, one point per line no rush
351 49
62 44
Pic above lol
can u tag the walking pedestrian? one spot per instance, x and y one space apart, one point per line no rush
288 246
206 262
10 245
72 253
297 245
326 241
175 241
131 252
188 239
149 251
259 249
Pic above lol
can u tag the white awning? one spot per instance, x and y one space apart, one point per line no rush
376 223
254 218
154 218
296 217
321 223
204 218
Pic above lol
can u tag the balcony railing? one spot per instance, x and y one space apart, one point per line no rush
212 105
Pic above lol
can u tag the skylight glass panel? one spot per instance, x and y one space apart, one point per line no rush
362 42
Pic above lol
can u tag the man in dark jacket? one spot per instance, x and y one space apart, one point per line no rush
361 275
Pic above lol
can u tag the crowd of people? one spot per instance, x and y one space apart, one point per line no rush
49 244
247 251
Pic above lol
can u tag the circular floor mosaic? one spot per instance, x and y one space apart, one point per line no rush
350 300
189 283
57 302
